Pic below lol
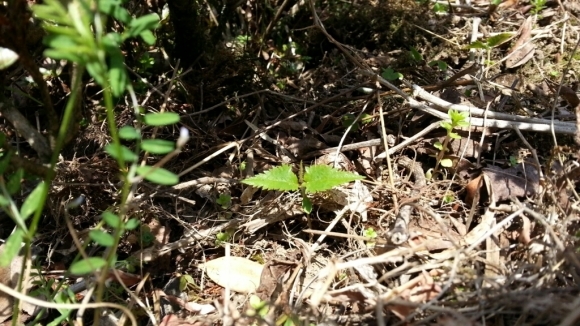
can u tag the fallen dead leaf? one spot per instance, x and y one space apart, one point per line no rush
523 50
521 180
239 274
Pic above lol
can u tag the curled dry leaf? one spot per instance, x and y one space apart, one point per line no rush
239 274
420 289
522 180
523 49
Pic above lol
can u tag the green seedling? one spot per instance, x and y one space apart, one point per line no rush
315 178
223 237
187 285
539 5
224 200
456 120
415 55
442 65
490 43
440 8
371 234
257 307
513 160
390 74
448 198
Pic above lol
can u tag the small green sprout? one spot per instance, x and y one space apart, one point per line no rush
371 234
315 178
456 120
390 74
224 200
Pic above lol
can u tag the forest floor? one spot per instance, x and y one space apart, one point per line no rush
473 224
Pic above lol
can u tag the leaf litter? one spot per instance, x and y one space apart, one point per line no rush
469 259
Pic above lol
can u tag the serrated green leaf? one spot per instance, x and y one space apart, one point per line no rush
279 178
87 266
132 224
446 162
13 184
159 176
129 133
161 119
102 238
33 201
157 146
11 247
499 39
111 219
323 177
120 151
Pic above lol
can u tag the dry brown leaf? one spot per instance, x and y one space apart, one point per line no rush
520 53
472 190
272 272
521 180
239 274
569 95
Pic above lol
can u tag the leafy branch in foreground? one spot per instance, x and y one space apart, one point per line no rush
317 178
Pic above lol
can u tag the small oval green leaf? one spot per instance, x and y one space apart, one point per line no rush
446 163
111 219
118 78
11 247
132 224
121 152
102 238
157 146
161 119
159 176
87 266
13 184
129 133
33 201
